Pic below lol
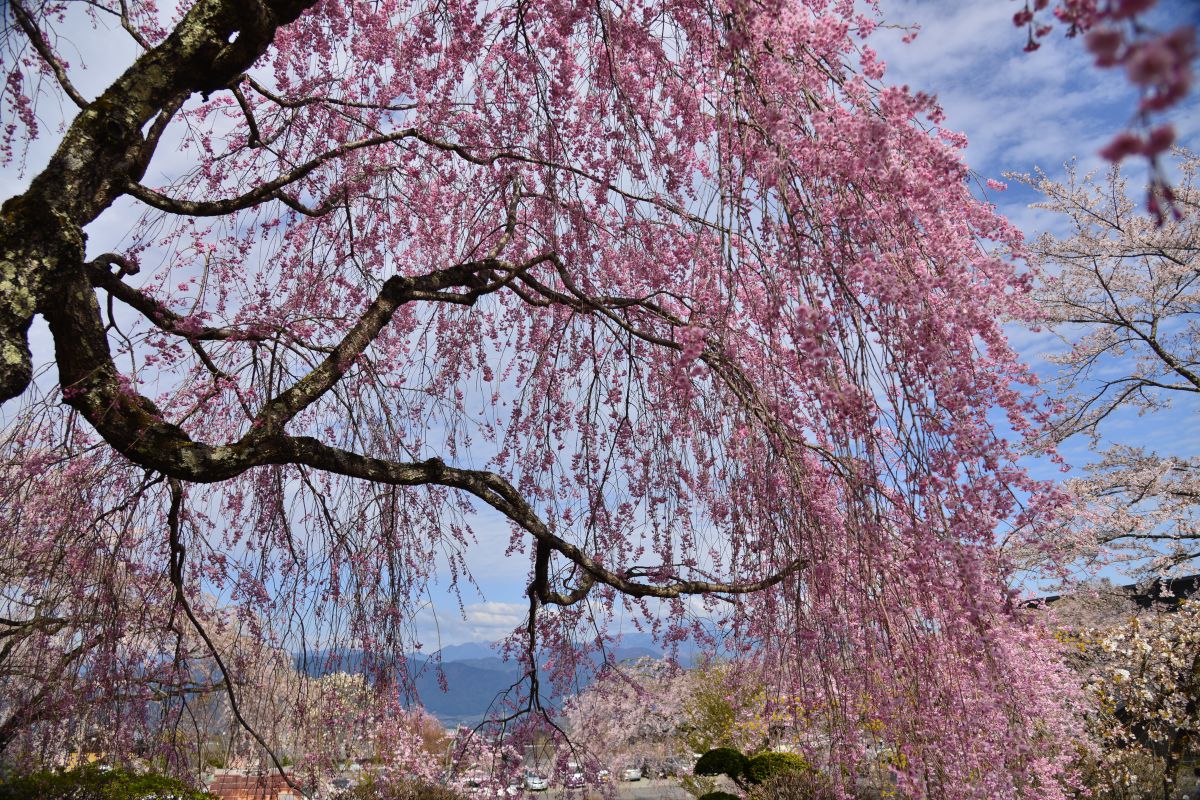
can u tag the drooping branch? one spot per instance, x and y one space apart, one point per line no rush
285 102
498 493
158 314
132 424
177 555
29 26
118 412
273 188
396 291
267 190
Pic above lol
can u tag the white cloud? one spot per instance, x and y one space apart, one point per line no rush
1018 109
488 621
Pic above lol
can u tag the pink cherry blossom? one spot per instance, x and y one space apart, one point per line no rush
683 309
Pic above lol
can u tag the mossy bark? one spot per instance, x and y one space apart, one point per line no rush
106 147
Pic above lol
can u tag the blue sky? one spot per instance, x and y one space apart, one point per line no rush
1023 111
1019 111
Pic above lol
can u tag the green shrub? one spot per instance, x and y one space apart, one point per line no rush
723 761
697 785
767 765
96 783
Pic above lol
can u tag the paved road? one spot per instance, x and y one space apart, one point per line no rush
631 790
652 790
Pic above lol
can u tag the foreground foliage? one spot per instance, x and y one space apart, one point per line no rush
95 783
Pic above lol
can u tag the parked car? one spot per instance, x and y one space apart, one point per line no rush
631 774
339 786
535 782
603 776
574 780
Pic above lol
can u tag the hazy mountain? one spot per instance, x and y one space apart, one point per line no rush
467 650
475 676
472 686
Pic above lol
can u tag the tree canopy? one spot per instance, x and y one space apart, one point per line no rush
683 290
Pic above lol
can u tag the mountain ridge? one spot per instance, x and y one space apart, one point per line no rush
475 676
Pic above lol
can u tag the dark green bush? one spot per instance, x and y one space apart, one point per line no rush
767 765
96 783
723 761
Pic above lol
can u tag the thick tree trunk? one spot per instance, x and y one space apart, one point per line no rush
105 149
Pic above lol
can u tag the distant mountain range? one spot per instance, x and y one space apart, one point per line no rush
476 678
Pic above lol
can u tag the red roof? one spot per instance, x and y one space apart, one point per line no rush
252 787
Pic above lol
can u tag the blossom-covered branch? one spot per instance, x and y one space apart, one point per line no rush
1124 294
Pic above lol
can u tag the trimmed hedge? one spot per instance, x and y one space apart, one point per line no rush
94 783
764 766
810 785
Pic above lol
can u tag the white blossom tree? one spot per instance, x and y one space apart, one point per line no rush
1146 684
630 713
1124 293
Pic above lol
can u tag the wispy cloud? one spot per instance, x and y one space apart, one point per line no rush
1018 109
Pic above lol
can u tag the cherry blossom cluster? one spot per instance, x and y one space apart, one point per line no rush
1142 683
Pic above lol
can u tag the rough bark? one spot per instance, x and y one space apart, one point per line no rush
103 151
